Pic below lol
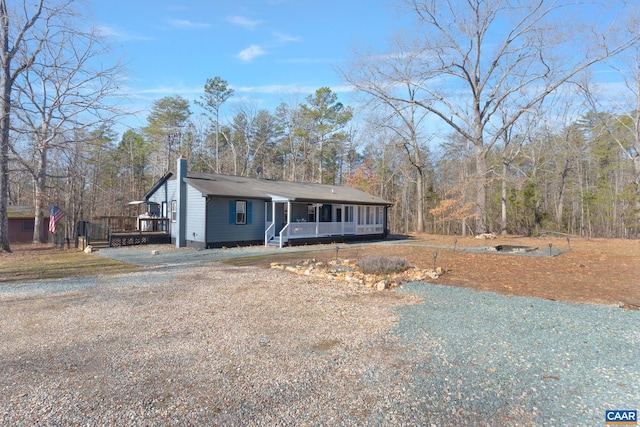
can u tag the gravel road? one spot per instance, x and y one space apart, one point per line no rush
191 341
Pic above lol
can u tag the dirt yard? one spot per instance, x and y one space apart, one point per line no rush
600 271
184 339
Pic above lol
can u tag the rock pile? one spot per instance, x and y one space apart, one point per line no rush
347 270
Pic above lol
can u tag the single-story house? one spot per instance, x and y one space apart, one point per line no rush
210 210
21 221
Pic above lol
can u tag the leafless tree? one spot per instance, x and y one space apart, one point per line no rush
21 41
384 81
66 89
479 56
627 102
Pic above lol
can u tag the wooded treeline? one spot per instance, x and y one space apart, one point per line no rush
526 144
576 179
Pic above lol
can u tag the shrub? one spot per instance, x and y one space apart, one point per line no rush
381 264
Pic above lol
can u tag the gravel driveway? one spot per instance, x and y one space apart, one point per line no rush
191 341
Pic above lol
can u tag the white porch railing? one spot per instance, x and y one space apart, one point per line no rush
301 230
269 233
369 229
282 237
298 230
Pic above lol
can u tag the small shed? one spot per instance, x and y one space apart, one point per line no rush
21 223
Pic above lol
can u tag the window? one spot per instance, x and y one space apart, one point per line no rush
348 213
311 213
28 224
174 211
241 212
361 218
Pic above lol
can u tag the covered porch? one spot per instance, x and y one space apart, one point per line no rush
287 220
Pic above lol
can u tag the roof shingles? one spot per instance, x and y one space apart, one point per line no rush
239 186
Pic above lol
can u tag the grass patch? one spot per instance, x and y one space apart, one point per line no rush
248 261
57 264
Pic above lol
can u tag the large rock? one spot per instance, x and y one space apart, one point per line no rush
382 285
346 270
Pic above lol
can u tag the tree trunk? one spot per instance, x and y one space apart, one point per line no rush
636 158
563 185
636 181
217 143
481 189
39 194
4 159
5 99
320 167
417 163
503 198
420 202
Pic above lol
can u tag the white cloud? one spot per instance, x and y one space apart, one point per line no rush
185 23
285 37
170 90
119 34
251 52
243 22
276 89
273 89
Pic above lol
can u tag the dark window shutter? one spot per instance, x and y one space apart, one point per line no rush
249 212
232 212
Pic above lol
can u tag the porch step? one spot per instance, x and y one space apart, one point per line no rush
275 242
97 244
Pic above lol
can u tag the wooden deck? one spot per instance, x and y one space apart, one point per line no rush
148 231
131 238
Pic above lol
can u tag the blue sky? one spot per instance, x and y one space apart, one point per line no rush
267 50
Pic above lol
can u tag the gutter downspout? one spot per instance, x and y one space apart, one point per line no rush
181 198
206 222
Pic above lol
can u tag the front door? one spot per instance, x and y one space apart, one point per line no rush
281 217
325 213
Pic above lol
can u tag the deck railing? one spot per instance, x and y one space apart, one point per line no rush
153 224
148 231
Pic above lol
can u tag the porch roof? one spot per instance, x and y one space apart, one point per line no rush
266 189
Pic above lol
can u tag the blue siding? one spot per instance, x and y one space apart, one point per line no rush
209 220
219 215
196 205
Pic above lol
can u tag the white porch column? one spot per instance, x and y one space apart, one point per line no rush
317 217
273 215
342 218
288 217
266 224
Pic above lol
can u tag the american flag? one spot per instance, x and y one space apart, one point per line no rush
56 215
